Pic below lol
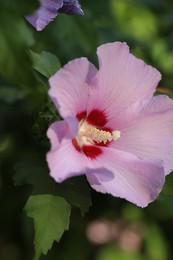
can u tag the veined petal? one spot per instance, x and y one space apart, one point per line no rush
67 128
56 132
147 130
149 106
122 79
66 162
138 181
45 14
69 87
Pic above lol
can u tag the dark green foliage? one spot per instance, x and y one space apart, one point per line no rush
75 191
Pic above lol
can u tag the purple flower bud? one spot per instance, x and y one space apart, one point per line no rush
49 9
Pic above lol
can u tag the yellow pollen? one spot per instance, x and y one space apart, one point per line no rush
91 133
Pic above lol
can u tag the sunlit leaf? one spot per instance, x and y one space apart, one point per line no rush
135 19
51 218
5 144
111 252
155 239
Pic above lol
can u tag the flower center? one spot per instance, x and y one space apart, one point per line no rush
89 134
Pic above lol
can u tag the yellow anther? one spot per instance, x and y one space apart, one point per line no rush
88 134
116 135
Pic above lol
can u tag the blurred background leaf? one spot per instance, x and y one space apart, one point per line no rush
15 38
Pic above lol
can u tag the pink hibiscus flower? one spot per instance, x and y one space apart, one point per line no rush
114 131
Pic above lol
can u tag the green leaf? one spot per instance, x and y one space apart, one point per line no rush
75 190
46 63
51 218
30 172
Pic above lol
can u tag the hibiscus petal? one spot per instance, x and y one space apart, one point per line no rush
138 181
147 130
45 14
122 79
71 7
66 162
67 128
69 87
